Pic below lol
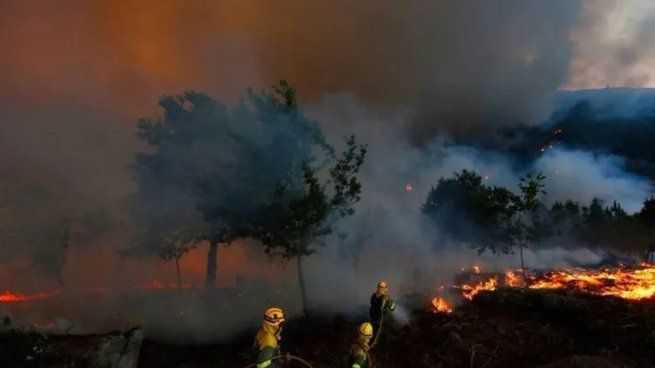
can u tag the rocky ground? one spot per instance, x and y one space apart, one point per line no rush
505 328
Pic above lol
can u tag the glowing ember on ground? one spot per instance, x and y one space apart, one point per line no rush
161 285
8 296
441 306
45 326
409 187
11 296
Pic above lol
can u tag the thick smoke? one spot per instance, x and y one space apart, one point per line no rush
388 238
614 45
405 77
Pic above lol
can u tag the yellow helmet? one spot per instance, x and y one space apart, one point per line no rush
274 316
366 329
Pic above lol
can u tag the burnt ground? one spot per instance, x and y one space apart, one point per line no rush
505 328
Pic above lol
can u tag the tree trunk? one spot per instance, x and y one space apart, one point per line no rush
61 280
301 283
525 278
179 275
210 279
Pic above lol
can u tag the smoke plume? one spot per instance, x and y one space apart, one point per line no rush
408 78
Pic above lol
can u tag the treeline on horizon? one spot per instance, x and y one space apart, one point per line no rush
469 211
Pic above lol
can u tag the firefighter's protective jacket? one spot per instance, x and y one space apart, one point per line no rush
359 355
380 303
266 347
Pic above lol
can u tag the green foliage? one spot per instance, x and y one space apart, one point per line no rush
294 221
470 211
212 169
492 218
526 226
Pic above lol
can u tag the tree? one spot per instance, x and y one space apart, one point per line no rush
175 246
645 220
294 222
523 229
42 227
211 169
470 211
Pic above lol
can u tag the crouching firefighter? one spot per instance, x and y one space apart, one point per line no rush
381 303
359 356
267 341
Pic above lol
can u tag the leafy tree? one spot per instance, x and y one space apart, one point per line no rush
41 226
211 169
295 221
523 228
470 211
565 217
175 246
645 220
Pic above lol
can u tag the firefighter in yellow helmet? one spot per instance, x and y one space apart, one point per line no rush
359 356
267 341
381 302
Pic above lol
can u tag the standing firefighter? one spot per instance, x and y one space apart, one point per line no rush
381 302
359 357
266 344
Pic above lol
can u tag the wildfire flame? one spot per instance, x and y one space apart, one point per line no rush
13 297
469 291
633 284
440 306
8 296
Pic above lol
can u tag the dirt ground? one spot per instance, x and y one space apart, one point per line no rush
500 329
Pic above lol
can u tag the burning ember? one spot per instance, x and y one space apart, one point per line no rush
440 306
8 296
12 297
409 187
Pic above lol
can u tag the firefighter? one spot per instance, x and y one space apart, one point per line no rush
358 355
267 341
381 302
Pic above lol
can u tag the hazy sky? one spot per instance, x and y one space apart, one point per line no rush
129 52
614 45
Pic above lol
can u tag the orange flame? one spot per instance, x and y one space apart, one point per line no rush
633 284
441 306
8 296
469 291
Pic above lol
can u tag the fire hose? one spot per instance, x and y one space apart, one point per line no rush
286 357
378 331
